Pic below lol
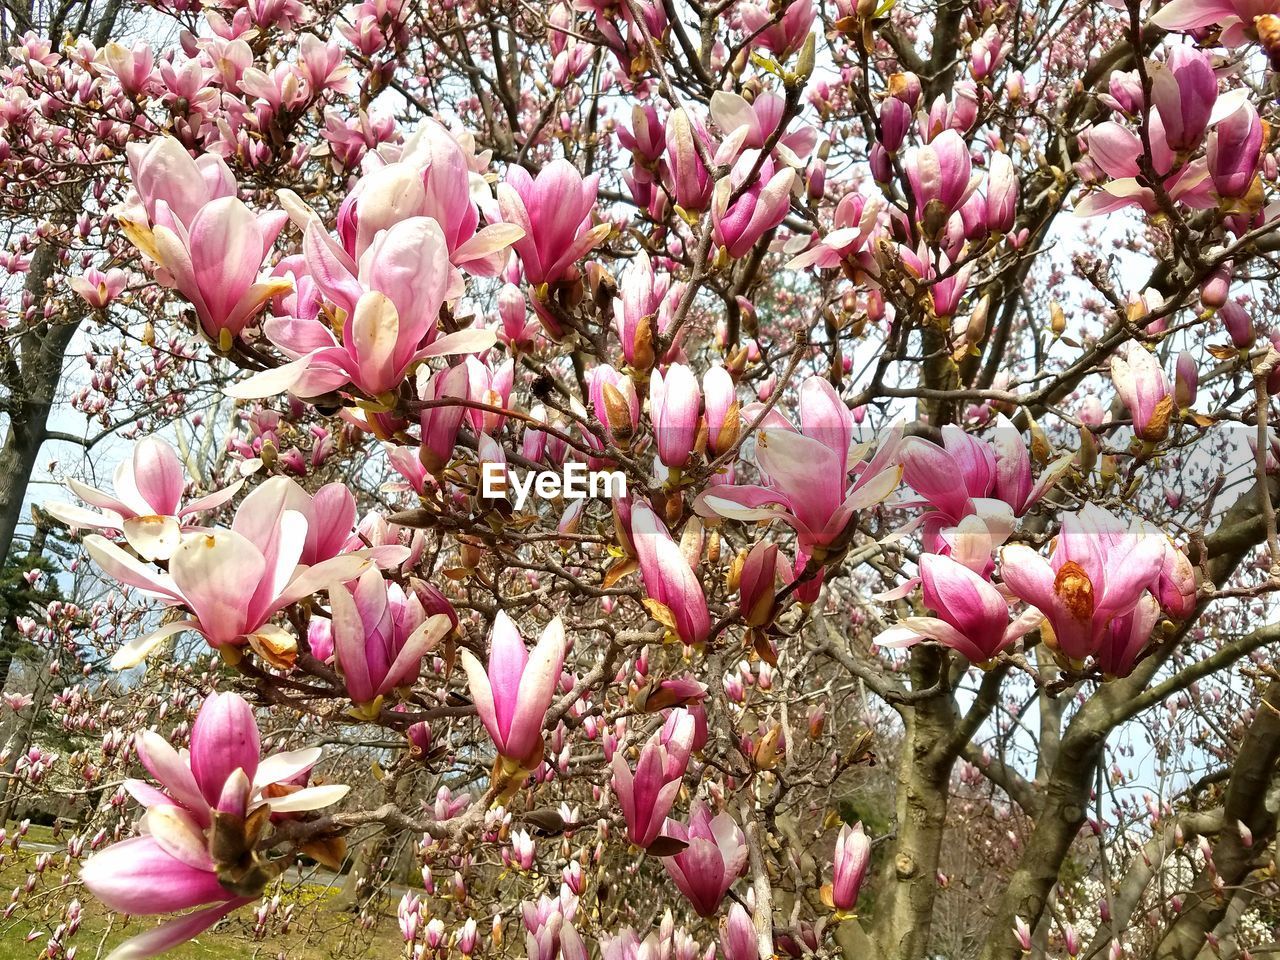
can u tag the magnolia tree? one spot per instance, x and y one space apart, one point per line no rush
646 478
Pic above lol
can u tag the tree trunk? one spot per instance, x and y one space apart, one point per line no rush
17 462
1065 806
1252 783
356 884
32 387
904 923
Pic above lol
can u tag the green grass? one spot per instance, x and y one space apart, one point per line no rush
315 932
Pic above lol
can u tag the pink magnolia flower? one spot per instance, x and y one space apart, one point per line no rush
646 141
96 288
675 403
739 223
738 935
321 64
554 211
616 405
374 24
748 126
519 331
690 181
610 18
1142 385
895 121
146 503
431 178
1124 92
668 579
971 477
409 913
625 945
132 66
1186 381
209 245
491 386
807 472
857 220
215 264
285 14
570 56
282 89
1126 637
1099 569
1234 153
392 305
225 744
233 581
722 410
390 544
172 865
1115 150
17 702
162 872
784 37
645 138
330 514
957 112
757 585
1239 324
523 851
380 637
550 934
1236 17
190 81
946 287
1183 91
172 187
852 858
406 462
1014 482
714 858
972 615
643 309
320 639
674 692
513 695
467 937
350 138
950 476
941 177
815 178
1001 197
646 795
440 424
988 53
1175 585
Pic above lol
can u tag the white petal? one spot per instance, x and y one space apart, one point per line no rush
74 515
136 650
154 538
280 767
309 798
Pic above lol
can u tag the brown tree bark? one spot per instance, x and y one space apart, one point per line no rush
31 378
1251 783
904 922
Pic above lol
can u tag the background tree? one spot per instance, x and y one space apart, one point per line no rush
932 343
